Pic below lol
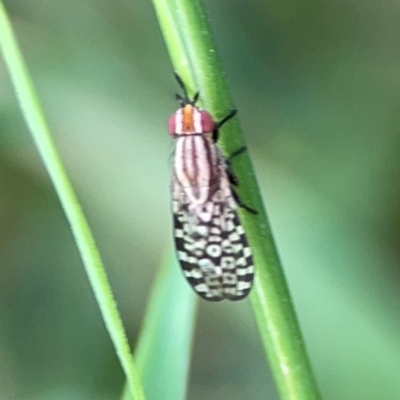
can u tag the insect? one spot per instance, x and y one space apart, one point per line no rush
211 244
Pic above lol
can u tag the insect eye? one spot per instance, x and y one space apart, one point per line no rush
207 122
172 124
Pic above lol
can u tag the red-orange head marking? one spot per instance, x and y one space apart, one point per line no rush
190 120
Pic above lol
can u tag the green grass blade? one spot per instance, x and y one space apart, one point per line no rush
36 122
186 32
165 343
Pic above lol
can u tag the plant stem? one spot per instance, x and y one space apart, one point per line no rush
40 132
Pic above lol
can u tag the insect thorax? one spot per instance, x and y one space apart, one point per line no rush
199 168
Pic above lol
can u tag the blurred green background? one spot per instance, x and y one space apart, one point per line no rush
317 84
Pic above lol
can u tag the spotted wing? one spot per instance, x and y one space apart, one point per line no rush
212 247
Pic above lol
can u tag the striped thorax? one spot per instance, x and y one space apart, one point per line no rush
197 161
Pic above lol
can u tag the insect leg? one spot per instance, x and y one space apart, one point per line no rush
240 203
231 175
233 180
218 125
236 153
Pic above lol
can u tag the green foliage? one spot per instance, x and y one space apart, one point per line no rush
90 255
163 352
316 86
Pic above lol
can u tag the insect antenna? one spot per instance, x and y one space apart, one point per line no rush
185 100
195 98
180 99
183 87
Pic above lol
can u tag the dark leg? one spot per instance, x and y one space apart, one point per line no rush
233 180
240 203
236 153
218 125
231 175
231 114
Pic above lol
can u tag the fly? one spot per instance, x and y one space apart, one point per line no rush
210 240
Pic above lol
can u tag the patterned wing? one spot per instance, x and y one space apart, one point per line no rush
212 247
236 259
